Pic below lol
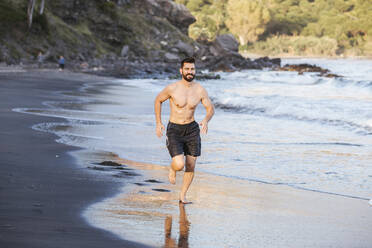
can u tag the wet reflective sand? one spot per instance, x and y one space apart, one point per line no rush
230 213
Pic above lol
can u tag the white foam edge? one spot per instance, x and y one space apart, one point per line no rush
44 127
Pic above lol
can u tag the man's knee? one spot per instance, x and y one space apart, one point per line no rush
190 167
178 163
190 164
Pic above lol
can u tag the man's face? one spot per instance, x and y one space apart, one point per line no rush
188 71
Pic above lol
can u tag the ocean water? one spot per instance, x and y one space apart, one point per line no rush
277 128
274 127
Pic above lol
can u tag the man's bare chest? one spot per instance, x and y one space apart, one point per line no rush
185 99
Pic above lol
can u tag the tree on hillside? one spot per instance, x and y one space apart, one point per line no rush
346 21
210 21
210 16
247 19
30 10
195 5
289 17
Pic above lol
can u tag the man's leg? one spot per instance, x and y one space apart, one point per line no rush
188 176
178 162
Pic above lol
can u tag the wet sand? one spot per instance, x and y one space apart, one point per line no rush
42 190
231 213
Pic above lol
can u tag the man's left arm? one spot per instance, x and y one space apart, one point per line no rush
208 105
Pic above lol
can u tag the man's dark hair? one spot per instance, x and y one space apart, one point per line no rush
187 60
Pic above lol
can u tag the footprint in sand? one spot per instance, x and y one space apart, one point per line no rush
124 174
110 163
161 190
141 184
153 181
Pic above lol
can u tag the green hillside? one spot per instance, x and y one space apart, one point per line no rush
288 27
96 31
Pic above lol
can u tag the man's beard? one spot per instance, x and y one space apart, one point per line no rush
188 79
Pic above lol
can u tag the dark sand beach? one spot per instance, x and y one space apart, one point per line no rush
42 191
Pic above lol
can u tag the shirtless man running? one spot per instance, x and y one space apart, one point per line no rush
183 133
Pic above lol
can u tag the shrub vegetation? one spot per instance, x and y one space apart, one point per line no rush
301 27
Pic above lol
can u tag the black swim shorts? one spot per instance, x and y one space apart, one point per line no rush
183 139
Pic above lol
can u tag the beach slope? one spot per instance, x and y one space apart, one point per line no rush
42 191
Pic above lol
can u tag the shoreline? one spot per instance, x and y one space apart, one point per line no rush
141 74
42 190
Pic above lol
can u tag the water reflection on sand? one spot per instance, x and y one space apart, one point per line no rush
184 227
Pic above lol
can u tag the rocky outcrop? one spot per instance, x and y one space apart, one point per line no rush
185 48
177 14
171 57
222 55
301 68
124 38
224 44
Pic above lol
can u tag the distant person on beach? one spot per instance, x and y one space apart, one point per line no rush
61 63
183 133
40 59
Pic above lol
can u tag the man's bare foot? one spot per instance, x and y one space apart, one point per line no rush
172 176
183 200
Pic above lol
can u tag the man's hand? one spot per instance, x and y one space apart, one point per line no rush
204 127
159 129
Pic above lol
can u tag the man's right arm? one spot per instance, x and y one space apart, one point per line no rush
160 98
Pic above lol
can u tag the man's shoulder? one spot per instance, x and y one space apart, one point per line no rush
198 86
172 86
